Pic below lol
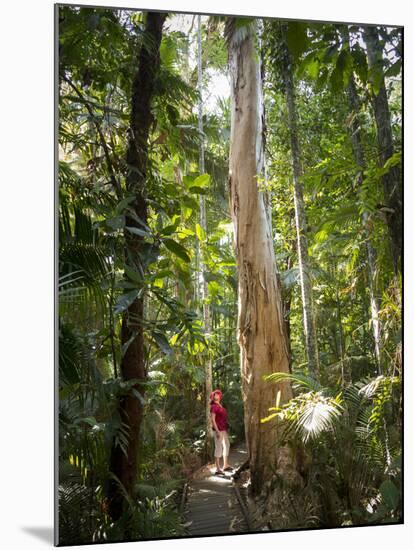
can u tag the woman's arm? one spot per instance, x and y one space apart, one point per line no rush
213 420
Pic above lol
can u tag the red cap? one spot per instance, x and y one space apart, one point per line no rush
215 391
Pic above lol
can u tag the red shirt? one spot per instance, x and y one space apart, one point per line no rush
221 416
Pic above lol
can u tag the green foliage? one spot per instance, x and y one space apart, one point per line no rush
309 414
353 428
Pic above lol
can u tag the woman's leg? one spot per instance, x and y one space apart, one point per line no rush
218 448
226 449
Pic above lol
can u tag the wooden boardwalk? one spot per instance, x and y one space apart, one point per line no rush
212 506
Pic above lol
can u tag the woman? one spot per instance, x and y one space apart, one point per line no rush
221 436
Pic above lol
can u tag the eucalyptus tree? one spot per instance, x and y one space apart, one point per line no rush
261 335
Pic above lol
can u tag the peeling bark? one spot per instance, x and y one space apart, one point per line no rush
261 334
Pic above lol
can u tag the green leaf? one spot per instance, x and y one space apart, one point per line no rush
301 380
214 288
336 79
125 300
162 342
185 232
359 63
124 203
139 232
188 181
198 190
169 229
322 78
297 38
133 275
344 64
304 64
317 417
390 494
191 202
313 69
202 181
394 70
393 160
267 418
168 52
200 233
375 75
177 249
117 222
126 345
187 212
138 396
330 53
161 274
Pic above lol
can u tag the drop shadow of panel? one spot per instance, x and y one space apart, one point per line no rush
43 533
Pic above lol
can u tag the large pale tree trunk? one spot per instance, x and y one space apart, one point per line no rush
392 180
358 150
261 334
130 408
203 223
303 257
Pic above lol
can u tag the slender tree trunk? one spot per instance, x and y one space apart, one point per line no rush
358 150
392 180
203 223
346 374
261 334
303 257
130 408
287 305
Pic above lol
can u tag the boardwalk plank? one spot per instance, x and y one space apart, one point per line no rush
212 506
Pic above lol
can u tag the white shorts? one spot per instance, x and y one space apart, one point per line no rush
221 443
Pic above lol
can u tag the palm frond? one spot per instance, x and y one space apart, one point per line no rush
299 380
317 417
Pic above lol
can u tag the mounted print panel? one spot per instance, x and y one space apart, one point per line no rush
229 212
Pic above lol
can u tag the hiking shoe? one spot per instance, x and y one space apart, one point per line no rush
228 469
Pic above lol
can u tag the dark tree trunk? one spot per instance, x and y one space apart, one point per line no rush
286 313
208 367
300 216
130 408
358 150
392 180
